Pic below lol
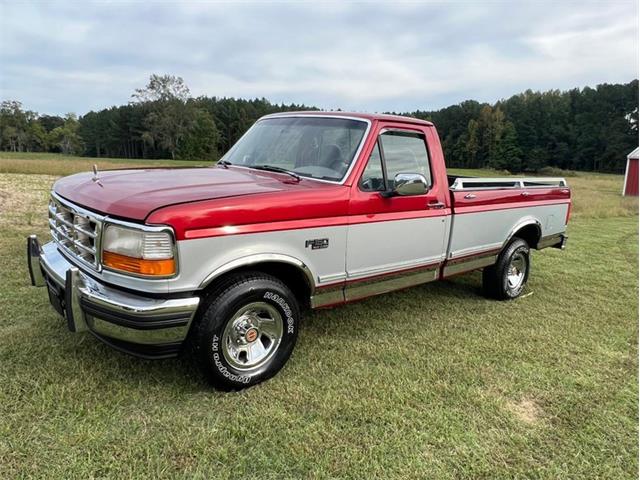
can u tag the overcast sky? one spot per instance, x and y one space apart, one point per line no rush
78 56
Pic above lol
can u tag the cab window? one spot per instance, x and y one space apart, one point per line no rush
395 152
404 152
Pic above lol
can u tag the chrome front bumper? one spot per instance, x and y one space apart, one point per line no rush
134 323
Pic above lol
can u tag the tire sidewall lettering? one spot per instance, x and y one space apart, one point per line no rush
284 306
224 371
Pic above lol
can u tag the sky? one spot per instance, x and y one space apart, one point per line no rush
59 57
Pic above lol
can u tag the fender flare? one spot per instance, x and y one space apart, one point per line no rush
256 259
525 222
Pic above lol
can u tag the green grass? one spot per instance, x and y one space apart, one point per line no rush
431 382
58 164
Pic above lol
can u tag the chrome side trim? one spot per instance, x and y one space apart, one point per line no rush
256 259
474 251
469 264
330 295
370 286
365 273
388 283
334 277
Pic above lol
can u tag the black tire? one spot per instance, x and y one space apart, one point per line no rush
268 297
495 279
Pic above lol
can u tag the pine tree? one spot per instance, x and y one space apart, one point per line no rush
507 154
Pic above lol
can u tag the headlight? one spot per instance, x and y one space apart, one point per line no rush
138 251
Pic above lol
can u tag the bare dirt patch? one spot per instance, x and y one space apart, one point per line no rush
526 410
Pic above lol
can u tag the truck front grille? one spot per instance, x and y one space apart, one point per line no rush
76 231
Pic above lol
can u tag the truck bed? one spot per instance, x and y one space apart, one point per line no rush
487 212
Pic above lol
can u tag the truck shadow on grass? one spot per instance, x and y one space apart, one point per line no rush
379 317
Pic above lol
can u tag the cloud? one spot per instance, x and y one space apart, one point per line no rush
59 57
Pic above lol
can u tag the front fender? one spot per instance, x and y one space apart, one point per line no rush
256 259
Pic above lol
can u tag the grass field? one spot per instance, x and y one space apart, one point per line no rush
55 164
431 382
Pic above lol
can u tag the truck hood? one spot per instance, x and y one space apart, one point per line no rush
135 193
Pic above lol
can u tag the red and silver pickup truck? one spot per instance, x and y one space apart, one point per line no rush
307 210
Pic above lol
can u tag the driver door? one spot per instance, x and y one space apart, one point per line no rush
395 241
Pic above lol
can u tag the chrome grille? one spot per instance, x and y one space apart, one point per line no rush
75 230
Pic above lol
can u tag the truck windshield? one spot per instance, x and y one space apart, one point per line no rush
315 147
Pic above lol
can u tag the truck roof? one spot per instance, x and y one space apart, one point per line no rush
364 116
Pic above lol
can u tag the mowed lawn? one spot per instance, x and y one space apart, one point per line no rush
432 382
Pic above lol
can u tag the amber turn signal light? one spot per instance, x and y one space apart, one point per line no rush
159 268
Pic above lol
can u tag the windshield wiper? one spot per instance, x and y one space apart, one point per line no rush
271 168
224 163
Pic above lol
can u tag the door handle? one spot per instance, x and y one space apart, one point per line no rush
469 196
435 205
525 194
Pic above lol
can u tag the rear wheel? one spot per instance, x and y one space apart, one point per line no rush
246 332
506 279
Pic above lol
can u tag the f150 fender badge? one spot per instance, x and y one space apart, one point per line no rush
317 243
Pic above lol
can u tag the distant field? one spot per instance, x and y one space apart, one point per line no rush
432 382
57 164
596 195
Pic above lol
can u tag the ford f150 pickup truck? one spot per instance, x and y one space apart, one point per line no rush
306 210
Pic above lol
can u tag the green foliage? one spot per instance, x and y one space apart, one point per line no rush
66 137
24 131
507 154
202 141
162 88
588 129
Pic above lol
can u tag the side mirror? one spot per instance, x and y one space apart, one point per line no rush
410 184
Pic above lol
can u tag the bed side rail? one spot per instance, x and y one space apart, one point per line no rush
478 183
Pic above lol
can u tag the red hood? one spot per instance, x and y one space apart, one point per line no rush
135 193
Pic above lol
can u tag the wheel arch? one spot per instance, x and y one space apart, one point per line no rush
290 270
530 230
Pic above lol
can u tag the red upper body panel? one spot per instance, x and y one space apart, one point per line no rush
497 199
134 194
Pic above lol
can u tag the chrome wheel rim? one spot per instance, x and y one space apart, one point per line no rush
252 336
516 271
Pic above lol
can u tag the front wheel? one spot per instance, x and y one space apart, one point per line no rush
247 331
507 278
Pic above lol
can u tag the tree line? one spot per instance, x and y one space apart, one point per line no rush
581 129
